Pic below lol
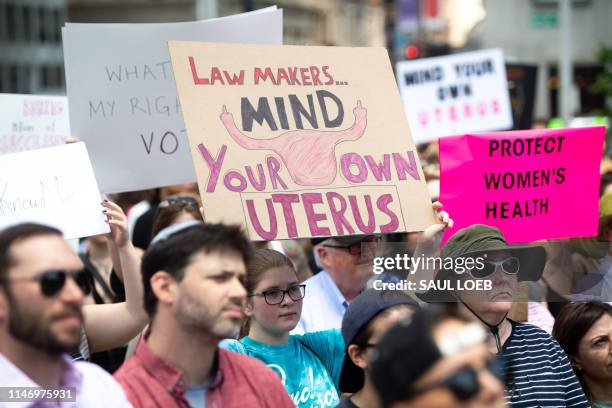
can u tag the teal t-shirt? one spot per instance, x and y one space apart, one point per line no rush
309 365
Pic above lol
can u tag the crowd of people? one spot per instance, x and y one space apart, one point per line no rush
170 311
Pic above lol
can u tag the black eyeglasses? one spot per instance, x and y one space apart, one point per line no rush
509 265
276 296
184 200
464 383
355 249
52 281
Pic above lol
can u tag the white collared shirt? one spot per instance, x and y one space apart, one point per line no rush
94 387
323 306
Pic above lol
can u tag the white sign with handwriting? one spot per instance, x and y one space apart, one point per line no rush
29 122
455 94
53 186
122 94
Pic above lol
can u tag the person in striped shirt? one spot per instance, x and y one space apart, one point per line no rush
539 372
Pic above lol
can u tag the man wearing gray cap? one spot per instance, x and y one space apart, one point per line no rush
345 272
365 322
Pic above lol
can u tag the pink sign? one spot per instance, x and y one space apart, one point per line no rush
531 184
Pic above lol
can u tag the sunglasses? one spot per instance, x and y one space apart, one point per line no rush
355 249
183 200
276 296
52 281
510 266
464 383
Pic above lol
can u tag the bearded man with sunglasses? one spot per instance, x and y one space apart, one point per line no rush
42 287
539 373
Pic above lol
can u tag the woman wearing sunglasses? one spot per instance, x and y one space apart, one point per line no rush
176 209
437 359
173 210
539 371
309 365
584 330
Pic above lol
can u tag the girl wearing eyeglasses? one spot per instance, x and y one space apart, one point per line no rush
309 365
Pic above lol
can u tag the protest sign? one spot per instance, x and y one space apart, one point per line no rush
30 122
54 186
531 184
297 141
455 94
122 95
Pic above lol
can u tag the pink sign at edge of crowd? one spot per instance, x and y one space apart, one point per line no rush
462 169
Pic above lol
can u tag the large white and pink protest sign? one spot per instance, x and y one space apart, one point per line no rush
54 186
455 94
122 95
531 184
295 141
29 122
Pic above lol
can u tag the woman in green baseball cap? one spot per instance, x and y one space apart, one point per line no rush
539 371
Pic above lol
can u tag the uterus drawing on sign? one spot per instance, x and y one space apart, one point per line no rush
309 155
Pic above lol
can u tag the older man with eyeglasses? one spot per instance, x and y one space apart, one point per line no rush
42 287
346 264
